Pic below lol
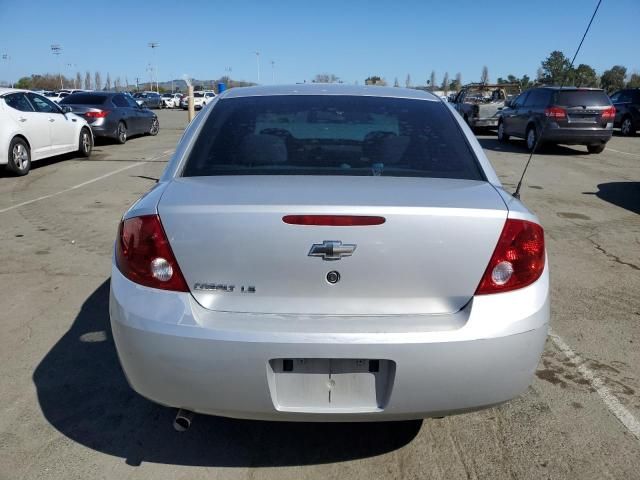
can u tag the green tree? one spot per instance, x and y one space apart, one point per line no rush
525 82
432 80
87 81
325 78
107 83
613 79
407 82
395 82
634 81
24 82
97 82
458 82
585 76
554 68
375 80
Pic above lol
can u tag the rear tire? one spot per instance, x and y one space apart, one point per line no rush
121 133
627 128
19 157
531 138
155 127
85 143
599 148
502 136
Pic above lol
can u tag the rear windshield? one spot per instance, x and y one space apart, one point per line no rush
198 94
578 98
84 99
332 135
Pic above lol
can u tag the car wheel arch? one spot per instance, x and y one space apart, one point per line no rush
23 137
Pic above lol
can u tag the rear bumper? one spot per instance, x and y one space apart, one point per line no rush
484 122
104 128
178 354
577 136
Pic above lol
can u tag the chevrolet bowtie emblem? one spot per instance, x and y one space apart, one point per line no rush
331 250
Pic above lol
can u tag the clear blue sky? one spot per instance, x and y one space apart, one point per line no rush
351 38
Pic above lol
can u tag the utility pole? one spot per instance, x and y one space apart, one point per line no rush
258 63
56 49
273 71
153 46
137 84
7 58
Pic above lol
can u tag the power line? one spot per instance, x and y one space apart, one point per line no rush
516 194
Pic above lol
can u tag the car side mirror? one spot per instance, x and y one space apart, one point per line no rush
508 103
66 108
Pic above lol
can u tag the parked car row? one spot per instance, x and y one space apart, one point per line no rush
33 127
551 115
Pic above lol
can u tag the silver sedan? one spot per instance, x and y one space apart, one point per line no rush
329 253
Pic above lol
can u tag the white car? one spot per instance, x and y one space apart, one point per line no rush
57 96
32 127
200 99
171 100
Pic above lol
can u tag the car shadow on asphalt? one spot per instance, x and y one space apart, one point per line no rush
622 194
45 162
83 393
518 146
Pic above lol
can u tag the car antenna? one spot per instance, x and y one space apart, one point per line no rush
516 194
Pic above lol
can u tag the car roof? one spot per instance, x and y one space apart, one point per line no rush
555 88
95 93
329 89
5 90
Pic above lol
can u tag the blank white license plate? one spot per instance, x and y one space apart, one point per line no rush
318 384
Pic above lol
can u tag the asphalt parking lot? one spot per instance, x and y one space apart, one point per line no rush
67 412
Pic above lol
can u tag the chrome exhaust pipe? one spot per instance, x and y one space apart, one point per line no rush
183 420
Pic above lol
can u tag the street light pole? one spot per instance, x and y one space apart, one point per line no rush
153 46
56 49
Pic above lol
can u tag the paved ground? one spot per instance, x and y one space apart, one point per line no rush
67 411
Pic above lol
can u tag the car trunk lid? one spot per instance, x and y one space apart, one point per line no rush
237 254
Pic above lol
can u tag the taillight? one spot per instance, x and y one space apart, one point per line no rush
609 114
333 220
518 259
144 256
98 114
555 112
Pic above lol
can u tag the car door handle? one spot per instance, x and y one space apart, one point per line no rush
22 119
52 119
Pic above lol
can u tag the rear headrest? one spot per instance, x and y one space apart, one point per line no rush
262 150
388 150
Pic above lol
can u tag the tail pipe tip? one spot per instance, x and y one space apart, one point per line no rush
183 420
